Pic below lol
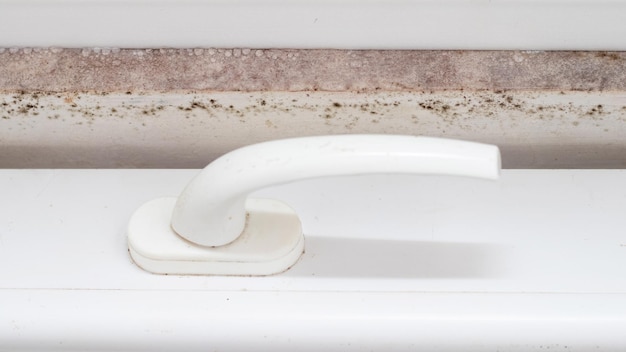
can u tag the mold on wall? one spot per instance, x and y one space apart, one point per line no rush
210 69
181 108
190 129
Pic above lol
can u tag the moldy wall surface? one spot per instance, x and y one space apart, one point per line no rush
181 108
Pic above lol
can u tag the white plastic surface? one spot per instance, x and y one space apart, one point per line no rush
375 24
212 228
210 211
534 261
271 242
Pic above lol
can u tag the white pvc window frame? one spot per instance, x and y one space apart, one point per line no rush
408 24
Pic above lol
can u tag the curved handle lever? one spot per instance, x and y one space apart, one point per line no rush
211 210
213 229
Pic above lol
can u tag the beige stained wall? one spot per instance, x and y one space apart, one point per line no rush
181 108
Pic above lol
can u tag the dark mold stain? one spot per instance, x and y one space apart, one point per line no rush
608 55
457 109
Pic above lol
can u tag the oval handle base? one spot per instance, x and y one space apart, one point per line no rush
272 242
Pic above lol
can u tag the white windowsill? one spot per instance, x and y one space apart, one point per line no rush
534 260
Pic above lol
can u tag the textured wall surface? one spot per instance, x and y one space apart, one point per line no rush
165 70
181 108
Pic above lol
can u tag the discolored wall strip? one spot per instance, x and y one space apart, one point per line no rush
161 108
209 69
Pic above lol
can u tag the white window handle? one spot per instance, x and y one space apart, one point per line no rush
228 233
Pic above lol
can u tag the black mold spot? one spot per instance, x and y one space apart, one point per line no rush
608 55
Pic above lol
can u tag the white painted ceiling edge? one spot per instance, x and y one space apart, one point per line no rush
408 24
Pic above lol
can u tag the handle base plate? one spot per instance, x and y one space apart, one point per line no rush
271 242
